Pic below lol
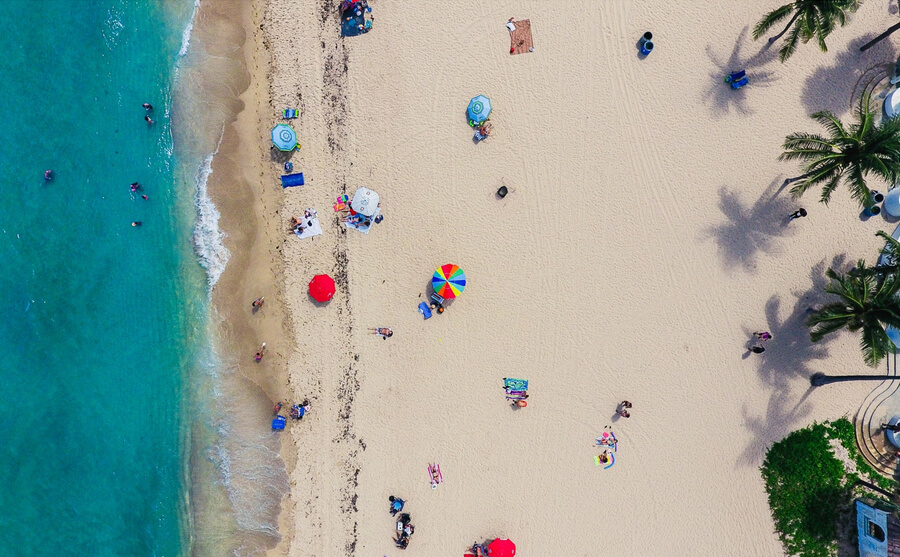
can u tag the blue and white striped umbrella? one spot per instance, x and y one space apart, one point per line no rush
284 137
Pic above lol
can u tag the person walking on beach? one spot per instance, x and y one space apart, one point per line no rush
385 332
801 212
763 336
262 351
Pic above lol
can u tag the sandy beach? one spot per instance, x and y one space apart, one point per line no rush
643 241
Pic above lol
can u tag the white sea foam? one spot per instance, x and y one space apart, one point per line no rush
208 238
186 34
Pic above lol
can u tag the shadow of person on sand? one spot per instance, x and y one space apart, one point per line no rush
836 87
750 230
719 95
786 363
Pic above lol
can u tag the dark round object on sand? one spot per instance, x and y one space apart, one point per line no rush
648 36
501 193
874 210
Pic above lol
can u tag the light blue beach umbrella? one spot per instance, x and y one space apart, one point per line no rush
284 137
479 110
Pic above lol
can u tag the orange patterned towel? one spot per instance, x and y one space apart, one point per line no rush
520 40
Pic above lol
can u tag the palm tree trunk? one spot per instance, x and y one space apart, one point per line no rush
791 22
879 38
820 379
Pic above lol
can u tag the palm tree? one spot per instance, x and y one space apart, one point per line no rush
851 152
810 19
868 303
879 38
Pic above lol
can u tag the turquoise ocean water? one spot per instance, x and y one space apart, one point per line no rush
103 323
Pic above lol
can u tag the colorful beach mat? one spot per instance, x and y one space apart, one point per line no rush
511 384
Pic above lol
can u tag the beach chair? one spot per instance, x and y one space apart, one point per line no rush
736 76
424 310
739 83
437 299
289 113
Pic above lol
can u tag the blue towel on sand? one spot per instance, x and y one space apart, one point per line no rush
291 180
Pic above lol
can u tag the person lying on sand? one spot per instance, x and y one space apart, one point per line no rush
385 332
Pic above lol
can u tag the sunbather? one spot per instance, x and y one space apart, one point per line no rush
385 332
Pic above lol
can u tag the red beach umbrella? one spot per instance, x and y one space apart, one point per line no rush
501 548
321 288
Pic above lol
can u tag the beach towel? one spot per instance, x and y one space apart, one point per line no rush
520 40
311 226
291 180
515 384
362 226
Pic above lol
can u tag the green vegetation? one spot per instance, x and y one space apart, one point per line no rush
810 19
868 303
810 491
848 152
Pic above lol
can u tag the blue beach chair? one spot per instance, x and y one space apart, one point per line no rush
424 310
735 76
739 83
289 113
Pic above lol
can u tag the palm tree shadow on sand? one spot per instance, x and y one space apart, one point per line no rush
837 87
786 364
751 230
719 95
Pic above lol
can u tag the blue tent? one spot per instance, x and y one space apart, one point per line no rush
479 110
284 137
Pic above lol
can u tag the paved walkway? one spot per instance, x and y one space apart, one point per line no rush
879 407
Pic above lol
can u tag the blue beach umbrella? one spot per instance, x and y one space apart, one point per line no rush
284 137
479 110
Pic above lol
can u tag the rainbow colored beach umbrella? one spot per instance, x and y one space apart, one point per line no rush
448 281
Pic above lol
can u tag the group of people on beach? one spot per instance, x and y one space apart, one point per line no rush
405 528
297 410
761 338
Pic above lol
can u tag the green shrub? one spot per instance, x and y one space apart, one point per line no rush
810 492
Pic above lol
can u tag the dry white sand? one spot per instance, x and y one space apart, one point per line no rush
643 243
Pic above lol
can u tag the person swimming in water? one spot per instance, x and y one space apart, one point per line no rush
136 223
48 175
135 186
147 106
148 119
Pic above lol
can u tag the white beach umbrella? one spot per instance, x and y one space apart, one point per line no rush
365 202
